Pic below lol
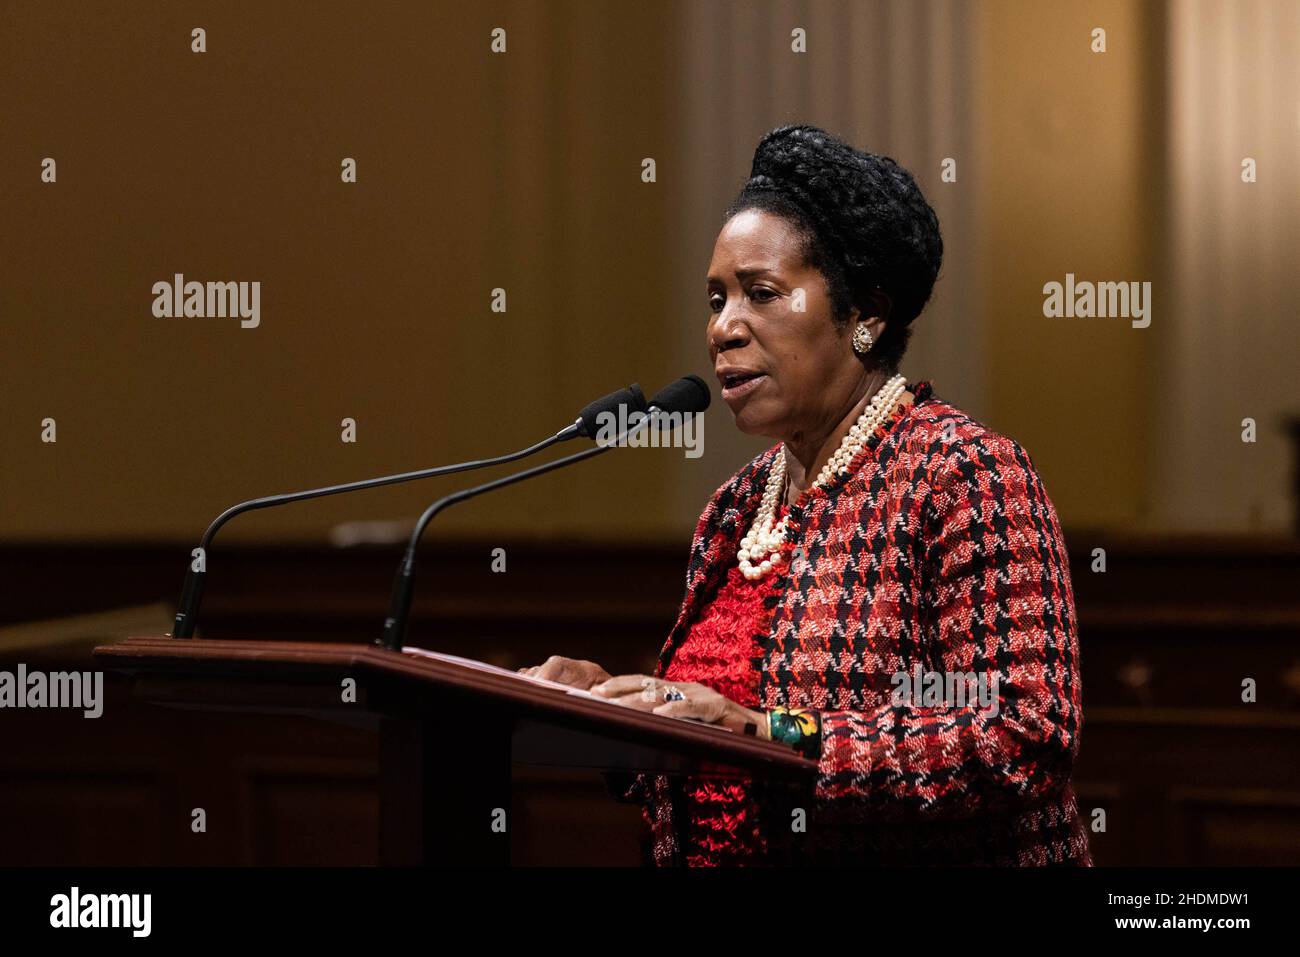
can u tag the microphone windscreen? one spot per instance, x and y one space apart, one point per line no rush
632 397
687 395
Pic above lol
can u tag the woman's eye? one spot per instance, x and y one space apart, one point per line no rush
758 293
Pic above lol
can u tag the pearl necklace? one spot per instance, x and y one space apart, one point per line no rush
765 537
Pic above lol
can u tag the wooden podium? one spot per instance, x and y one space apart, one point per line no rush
449 729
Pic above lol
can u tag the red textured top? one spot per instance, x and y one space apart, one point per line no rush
719 824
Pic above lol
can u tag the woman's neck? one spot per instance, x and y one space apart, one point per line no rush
807 454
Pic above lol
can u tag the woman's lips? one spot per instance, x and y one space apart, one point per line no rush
743 387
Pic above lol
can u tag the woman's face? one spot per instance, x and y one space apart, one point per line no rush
786 370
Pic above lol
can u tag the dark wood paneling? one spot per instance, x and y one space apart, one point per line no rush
303 807
1186 772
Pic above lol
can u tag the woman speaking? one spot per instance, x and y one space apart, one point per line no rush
848 585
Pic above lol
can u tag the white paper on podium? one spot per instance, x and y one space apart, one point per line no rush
493 669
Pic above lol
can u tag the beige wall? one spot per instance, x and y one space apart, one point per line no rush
1068 164
519 171
523 171
1230 259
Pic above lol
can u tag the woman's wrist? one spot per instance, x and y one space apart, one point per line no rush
748 722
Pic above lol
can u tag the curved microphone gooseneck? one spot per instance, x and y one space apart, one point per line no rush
587 424
688 395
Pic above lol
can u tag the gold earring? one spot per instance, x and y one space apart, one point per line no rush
862 340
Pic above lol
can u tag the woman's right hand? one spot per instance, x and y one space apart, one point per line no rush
568 671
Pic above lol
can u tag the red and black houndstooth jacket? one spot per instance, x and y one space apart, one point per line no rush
939 548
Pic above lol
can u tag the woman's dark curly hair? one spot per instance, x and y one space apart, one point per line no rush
864 221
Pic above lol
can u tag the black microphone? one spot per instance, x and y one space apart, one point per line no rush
586 425
686 396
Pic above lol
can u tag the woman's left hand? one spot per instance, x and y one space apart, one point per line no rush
699 702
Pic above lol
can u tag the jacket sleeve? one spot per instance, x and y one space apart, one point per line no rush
999 603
